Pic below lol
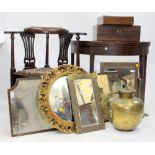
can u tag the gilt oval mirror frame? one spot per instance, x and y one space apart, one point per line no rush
48 113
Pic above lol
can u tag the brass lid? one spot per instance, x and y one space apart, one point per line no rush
126 93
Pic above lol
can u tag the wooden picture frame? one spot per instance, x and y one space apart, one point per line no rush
128 70
23 107
85 100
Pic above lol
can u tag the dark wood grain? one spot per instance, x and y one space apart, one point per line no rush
12 69
111 48
116 33
47 51
29 58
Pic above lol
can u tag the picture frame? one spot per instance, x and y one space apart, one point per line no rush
122 73
23 107
85 98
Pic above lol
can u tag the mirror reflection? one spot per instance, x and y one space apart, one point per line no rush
128 77
60 100
121 77
24 108
86 102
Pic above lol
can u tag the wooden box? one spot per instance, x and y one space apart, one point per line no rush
116 33
115 20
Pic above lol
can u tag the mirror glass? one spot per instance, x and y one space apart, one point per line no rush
60 100
127 76
121 74
86 102
121 77
25 117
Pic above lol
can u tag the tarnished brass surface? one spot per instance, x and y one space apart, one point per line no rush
126 113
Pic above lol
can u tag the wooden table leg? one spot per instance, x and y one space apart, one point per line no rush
92 60
47 51
78 50
143 64
72 58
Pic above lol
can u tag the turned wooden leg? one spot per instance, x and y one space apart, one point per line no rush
72 58
78 59
143 64
47 51
77 50
12 70
12 77
92 59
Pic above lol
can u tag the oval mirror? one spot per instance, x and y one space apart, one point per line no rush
60 100
54 98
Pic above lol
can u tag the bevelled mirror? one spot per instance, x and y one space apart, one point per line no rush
85 100
54 98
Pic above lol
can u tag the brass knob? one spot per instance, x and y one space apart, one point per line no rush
119 31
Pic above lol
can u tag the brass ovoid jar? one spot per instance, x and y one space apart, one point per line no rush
126 111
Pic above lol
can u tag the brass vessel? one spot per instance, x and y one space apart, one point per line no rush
126 111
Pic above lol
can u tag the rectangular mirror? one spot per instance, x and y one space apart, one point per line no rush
23 105
120 74
85 100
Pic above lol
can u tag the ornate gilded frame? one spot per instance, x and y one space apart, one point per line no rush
76 111
44 104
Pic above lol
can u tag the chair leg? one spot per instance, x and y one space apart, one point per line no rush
12 77
12 70
47 51
72 58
